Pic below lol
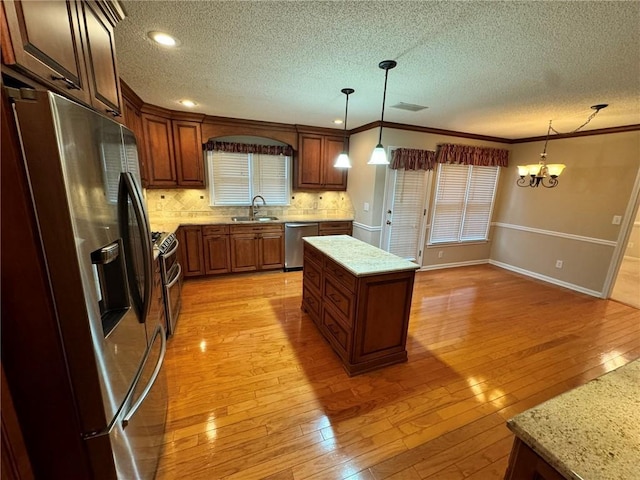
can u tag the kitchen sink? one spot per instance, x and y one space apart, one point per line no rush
255 219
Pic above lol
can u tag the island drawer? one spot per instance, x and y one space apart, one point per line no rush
208 230
338 335
335 228
339 273
343 301
311 304
311 254
312 276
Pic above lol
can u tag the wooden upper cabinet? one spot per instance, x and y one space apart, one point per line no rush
314 168
158 139
101 59
187 142
67 46
133 120
45 42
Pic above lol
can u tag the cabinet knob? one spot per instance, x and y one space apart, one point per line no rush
70 85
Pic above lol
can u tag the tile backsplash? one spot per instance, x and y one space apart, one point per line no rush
180 203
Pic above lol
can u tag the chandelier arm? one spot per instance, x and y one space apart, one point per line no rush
550 182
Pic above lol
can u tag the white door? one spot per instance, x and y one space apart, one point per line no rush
404 217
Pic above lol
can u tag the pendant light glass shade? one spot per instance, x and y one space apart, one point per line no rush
343 160
379 156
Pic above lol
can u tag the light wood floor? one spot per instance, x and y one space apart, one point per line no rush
255 391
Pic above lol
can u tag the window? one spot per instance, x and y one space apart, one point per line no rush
463 203
235 178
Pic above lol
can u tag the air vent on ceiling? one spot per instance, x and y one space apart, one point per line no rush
412 107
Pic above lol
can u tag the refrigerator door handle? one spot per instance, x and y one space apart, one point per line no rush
128 189
156 371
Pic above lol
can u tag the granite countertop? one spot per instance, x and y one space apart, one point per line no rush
359 257
167 224
591 432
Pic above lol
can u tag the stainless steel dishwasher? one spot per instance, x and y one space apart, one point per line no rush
293 245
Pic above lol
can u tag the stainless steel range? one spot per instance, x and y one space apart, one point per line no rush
171 272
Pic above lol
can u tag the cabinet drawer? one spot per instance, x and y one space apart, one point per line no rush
340 274
312 276
336 333
312 254
273 228
215 230
335 228
311 304
335 295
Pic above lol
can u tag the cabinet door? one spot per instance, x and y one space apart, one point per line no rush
271 246
216 254
133 120
244 252
310 166
187 143
334 178
45 36
192 251
159 151
101 60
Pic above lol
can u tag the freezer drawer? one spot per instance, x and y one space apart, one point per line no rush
293 245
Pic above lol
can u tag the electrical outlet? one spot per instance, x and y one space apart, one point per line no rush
616 220
440 254
559 263
315 205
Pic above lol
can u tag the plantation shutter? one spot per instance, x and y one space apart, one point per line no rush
229 177
482 184
271 178
408 204
463 203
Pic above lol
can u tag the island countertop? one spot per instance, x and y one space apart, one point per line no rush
358 257
591 432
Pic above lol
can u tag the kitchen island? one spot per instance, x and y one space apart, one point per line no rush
591 432
359 297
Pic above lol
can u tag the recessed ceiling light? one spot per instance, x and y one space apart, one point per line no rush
338 121
163 39
188 103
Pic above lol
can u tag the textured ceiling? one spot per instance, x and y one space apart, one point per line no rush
492 68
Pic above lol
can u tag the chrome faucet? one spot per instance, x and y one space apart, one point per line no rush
253 207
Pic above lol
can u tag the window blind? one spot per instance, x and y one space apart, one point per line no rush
463 203
408 205
235 178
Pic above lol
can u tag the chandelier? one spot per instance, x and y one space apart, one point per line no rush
545 174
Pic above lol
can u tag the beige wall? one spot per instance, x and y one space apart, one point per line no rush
535 227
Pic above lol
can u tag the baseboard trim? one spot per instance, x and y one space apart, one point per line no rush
544 278
452 265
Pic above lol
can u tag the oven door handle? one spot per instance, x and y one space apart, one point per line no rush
176 278
173 250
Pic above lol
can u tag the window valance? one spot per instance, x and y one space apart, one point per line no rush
467 155
232 147
412 159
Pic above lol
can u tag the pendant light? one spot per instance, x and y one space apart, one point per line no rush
379 156
343 159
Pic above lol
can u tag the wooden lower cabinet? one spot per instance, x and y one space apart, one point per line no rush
256 247
365 319
191 246
525 464
217 256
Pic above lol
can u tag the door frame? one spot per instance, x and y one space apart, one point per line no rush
623 237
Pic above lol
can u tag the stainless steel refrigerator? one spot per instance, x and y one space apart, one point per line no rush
84 179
